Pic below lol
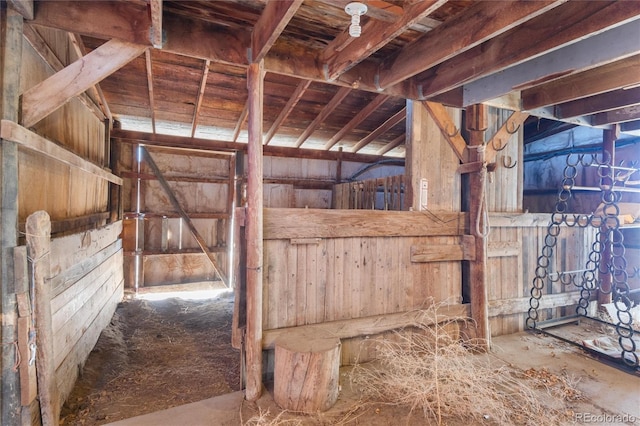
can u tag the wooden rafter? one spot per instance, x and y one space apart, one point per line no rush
55 91
482 21
81 50
448 129
178 207
394 143
598 103
275 17
203 85
573 20
291 104
156 23
241 120
375 35
359 118
600 49
50 58
620 115
149 68
328 109
614 76
396 119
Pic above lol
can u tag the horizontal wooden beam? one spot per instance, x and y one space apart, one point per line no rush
600 49
321 223
129 136
598 103
367 326
49 95
27 139
519 305
464 250
620 115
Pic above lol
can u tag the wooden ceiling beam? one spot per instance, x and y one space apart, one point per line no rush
291 104
275 17
81 50
50 94
568 22
614 76
598 103
476 24
603 48
396 119
393 144
375 35
156 23
359 118
328 109
621 115
129 136
147 58
203 86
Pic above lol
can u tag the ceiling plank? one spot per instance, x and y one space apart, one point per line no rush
203 85
241 120
568 22
23 7
291 104
50 58
600 49
81 50
510 127
328 109
130 136
598 103
275 17
613 76
147 58
375 35
448 129
49 95
393 121
361 116
393 144
156 23
473 26
621 115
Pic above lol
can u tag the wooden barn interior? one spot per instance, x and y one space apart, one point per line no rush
478 155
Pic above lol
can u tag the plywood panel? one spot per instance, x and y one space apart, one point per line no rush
176 268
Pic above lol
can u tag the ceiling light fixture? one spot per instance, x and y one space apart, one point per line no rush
355 9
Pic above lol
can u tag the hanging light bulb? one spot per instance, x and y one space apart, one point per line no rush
355 9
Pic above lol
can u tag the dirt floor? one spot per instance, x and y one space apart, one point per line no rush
156 355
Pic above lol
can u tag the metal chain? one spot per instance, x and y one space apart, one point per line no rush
608 235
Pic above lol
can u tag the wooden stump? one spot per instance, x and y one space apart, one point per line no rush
306 373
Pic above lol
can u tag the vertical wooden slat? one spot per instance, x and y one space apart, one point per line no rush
255 82
11 25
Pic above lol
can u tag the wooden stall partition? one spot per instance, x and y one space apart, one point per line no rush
327 266
515 242
84 282
386 193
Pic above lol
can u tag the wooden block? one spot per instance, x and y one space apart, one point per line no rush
464 250
28 381
24 304
306 372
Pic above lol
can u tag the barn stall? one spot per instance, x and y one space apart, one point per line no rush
338 185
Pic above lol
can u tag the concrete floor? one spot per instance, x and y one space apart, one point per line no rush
611 396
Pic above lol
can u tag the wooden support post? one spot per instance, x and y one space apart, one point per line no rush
11 27
254 233
606 280
38 230
476 125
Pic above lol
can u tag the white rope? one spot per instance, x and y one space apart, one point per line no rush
483 211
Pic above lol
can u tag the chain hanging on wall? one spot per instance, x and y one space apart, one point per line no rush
608 234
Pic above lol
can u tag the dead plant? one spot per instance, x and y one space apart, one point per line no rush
428 369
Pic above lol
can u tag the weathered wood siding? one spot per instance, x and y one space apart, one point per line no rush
327 265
